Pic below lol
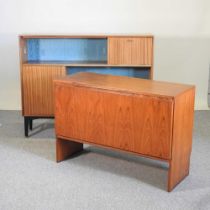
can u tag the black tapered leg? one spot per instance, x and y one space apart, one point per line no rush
31 124
26 122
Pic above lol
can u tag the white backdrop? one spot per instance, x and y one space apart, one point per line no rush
181 29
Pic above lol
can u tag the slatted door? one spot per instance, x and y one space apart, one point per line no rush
130 50
37 82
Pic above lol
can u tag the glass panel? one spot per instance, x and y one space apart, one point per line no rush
73 49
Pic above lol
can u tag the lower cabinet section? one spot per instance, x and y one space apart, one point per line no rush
37 89
37 80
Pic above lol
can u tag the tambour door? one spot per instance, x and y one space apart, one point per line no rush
37 82
130 50
140 124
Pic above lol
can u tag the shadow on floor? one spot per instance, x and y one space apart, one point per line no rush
42 143
148 171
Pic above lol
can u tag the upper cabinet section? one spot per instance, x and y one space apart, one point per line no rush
107 50
130 50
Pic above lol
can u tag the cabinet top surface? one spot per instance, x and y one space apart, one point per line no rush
31 36
124 84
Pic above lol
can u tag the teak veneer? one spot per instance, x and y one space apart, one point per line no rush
148 118
43 57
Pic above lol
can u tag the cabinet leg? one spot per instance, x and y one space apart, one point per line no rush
26 121
178 170
31 124
66 148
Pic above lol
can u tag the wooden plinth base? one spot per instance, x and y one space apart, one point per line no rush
176 172
66 148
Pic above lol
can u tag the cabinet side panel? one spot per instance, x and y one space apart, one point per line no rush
38 89
152 57
182 138
130 122
22 58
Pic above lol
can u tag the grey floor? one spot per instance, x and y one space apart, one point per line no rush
97 179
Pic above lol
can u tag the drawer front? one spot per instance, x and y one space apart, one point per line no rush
140 124
130 51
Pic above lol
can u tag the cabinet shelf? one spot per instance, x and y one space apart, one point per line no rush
80 63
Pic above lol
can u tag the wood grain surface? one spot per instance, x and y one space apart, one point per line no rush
129 50
66 36
103 110
65 149
23 58
125 121
141 55
126 84
37 82
82 64
182 138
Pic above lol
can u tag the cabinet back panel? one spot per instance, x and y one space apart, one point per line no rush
118 71
74 49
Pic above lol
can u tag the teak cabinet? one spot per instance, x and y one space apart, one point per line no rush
148 118
44 57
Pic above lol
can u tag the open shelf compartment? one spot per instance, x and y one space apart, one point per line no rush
139 72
